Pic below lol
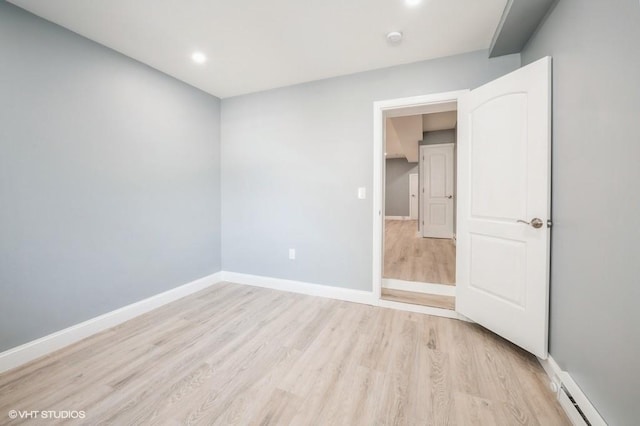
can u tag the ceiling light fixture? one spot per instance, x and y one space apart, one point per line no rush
394 37
199 57
412 3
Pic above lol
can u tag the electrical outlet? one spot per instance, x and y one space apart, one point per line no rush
292 254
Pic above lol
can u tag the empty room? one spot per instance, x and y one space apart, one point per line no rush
265 212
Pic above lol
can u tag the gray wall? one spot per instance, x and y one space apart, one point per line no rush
595 275
438 137
397 186
294 157
109 179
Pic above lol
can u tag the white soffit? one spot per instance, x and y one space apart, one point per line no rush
408 131
392 148
439 121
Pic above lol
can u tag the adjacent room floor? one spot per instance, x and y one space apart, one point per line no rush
241 355
409 257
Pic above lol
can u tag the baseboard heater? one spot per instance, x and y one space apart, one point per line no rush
575 404
572 408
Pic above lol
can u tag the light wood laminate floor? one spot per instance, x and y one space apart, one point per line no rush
424 299
409 257
243 355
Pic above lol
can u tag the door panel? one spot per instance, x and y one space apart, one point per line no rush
490 253
499 135
438 186
504 177
437 174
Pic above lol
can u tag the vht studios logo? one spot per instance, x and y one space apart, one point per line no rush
48 414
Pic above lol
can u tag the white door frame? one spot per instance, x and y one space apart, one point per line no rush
381 109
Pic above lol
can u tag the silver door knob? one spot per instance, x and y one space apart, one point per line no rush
535 222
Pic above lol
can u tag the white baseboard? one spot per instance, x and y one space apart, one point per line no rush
418 287
22 354
339 293
398 218
566 387
551 368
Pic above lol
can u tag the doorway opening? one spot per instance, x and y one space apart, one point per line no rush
419 202
419 255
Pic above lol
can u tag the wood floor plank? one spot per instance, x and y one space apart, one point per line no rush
239 355
409 257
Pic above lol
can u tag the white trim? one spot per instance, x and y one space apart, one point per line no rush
438 145
562 378
397 217
330 292
418 287
380 108
377 197
551 368
22 354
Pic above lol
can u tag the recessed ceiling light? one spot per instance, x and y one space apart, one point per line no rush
412 3
394 37
199 57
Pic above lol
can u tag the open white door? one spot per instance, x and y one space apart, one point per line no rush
504 205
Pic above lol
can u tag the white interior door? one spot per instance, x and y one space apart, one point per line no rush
413 196
504 205
438 186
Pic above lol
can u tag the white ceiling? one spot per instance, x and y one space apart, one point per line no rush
255 45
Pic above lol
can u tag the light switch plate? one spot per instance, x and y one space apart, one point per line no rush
362 193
